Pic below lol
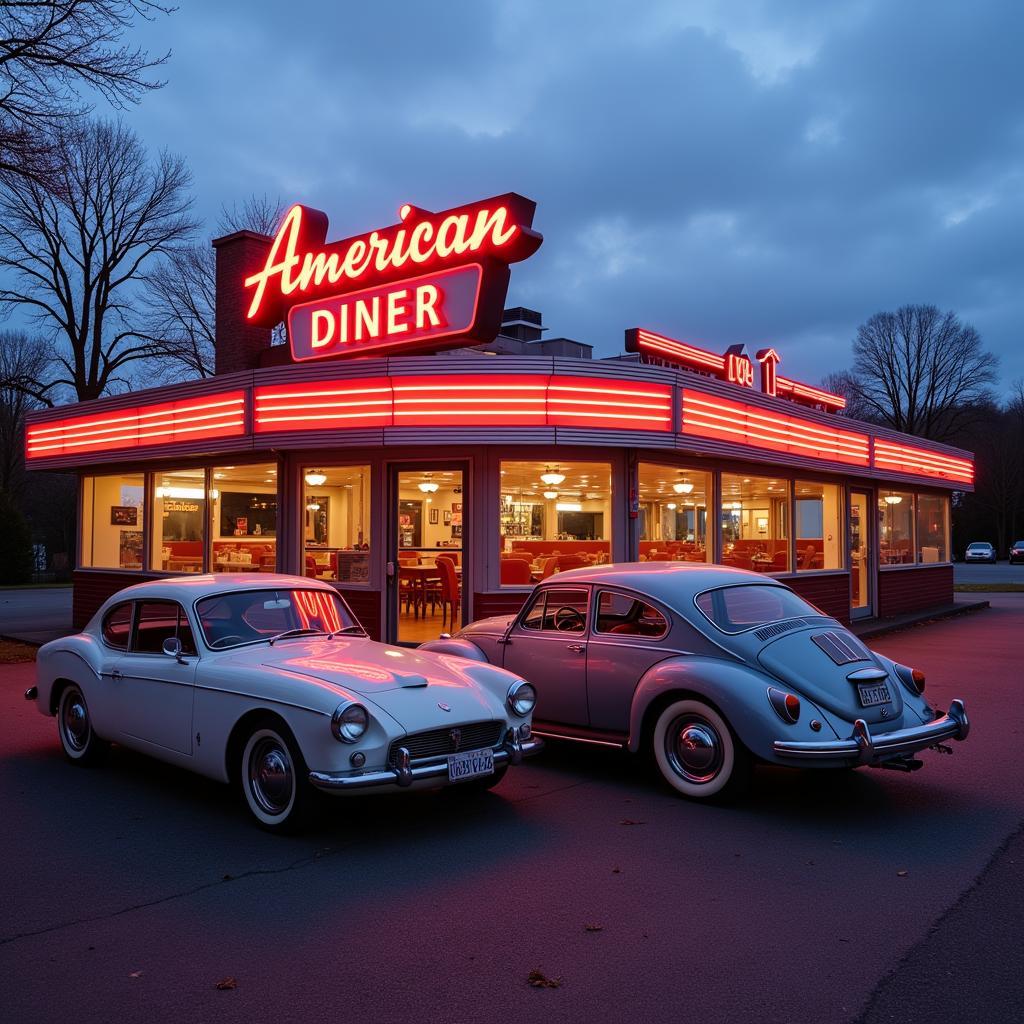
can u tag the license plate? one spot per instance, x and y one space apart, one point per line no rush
470 764
873 693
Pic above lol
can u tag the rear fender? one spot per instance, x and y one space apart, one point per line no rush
460 648
739 692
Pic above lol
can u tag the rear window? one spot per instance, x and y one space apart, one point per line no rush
117 624
734 609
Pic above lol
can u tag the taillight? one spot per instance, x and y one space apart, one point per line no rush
918 677
911 678
786 705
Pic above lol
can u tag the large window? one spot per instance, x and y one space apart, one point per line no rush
336 518
179 516
243 518
932 528
755 523
554 516
896 527
673 513
816 525
112 521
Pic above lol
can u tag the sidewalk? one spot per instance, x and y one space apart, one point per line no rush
963 604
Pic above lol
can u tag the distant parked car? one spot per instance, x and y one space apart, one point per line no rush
980 551
269 682
1017 552
708 668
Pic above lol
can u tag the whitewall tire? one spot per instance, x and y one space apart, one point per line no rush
79 742
274 779
697 753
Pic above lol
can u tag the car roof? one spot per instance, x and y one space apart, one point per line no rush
666 581
191 588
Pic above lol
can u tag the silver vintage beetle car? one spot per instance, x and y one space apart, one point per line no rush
268 681
708 667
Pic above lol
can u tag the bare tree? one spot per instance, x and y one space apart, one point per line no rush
921 371
181 291
23 363
76 249
51 50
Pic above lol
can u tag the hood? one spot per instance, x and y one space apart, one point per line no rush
818 661
494 626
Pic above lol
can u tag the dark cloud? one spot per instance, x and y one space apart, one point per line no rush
747 171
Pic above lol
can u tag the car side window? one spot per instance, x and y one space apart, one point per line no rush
534 617
157 621
117 624
623 615
565 610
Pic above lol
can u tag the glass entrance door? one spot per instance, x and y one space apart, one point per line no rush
427 556
861 534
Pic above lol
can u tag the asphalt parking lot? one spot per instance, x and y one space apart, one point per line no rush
133 890
985 572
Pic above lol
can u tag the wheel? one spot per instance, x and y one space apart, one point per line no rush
74 726
481 785
697 753
274 779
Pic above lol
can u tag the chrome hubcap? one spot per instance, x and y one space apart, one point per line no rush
694 748
271 778
76 722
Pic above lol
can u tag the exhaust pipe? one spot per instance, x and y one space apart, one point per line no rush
903 764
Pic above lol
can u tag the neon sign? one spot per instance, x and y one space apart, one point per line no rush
431 276
735 367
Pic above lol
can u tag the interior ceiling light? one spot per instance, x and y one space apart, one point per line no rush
552 477
893 499
315 478
550 495
671 506
683 487
428 486
568 506
313 506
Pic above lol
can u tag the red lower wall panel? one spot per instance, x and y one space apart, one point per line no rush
505 602
913 590
830 593
365 605
92 587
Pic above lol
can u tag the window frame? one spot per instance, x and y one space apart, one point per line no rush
543 592
130 604
595 631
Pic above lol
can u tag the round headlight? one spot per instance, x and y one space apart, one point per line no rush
349 722
521 698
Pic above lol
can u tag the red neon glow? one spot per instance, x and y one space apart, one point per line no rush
922 462
739 370
740 423
211 416
794 389
728 367
317 606
403 315
465 400
299 265
769 359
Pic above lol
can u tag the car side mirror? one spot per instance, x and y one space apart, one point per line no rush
172 648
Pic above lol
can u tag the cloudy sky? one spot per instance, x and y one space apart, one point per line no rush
726 172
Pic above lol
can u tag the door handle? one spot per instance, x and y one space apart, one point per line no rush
116 674
578 648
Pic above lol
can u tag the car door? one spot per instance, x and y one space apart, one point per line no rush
626 639
547 646
156 689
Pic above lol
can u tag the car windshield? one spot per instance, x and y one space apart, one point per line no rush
734 609
247 616
978 547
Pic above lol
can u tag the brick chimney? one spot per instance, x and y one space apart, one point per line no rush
238 343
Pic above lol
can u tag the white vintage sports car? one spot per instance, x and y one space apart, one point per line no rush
270 683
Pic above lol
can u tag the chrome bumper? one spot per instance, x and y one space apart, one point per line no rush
863 748
512 751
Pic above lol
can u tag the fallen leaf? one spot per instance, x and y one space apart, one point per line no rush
901 874
631 821
593 928
538 979
227 878
135 974
616 871
226 984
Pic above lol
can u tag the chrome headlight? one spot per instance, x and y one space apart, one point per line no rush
521 698
349 722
